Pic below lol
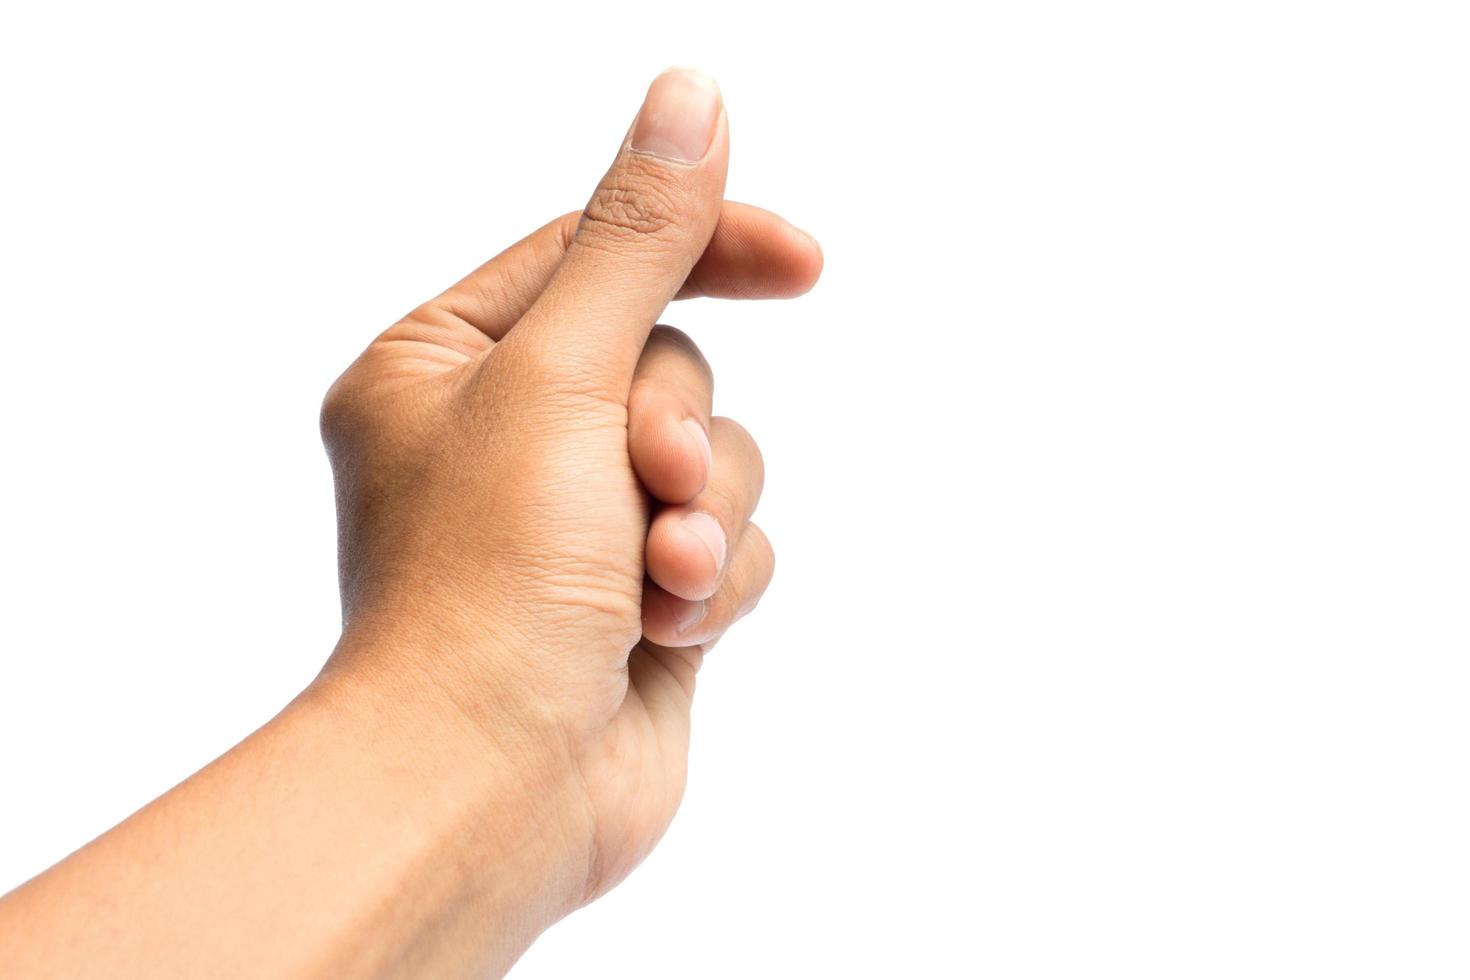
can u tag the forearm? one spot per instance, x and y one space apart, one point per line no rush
542 529
363 831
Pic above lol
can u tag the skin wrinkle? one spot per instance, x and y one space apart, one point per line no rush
501 732
750 255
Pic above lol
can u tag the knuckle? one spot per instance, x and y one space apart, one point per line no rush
756 570
664 335
764 556
761 543
647 396
740 439
763 548
340 411
632 202
680 344
566 228
729 505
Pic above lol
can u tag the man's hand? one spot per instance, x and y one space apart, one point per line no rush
495 453
541 531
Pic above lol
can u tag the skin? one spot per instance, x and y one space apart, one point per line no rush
501 733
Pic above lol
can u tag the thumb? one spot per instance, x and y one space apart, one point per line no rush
645 227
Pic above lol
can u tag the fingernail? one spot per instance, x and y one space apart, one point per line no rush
689 616
701 441
709 533
677 121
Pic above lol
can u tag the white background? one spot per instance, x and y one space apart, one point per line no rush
1117 467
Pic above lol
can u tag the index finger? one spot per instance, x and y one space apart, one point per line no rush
753 254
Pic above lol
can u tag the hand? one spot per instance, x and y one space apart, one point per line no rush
541 527
541 532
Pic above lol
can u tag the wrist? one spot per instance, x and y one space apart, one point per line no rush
486 795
